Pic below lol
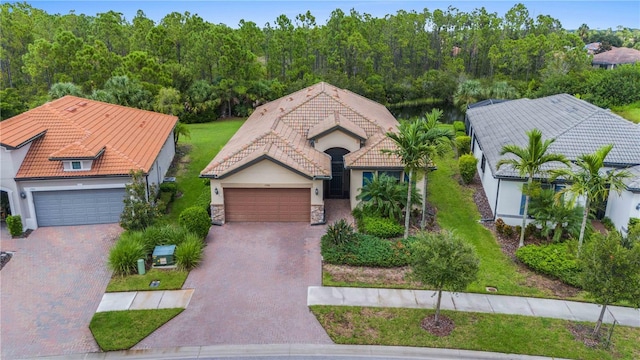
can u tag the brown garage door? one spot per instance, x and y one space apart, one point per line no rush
267 205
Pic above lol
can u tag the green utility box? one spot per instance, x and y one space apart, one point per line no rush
163 255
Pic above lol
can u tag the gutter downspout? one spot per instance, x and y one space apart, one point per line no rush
495 212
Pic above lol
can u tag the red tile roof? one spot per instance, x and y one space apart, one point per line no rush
118 138
287 123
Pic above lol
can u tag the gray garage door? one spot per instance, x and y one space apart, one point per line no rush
78 207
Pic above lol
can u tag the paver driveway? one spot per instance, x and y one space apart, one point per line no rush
51 288
250 289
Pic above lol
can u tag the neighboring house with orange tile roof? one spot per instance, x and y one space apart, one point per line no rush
293 153
67 162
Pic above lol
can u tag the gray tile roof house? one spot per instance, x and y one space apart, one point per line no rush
577 126
616 56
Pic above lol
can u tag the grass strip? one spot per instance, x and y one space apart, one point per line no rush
511 334
205 142
120 330
169 280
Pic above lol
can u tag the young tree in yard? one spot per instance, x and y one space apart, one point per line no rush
587 181
437 141
528 161
610 272
410 149
444 261
180 130
140 207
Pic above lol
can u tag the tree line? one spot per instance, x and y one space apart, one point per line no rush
200 71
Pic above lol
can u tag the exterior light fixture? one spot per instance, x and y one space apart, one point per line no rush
215 191
23 194
638 207
318 192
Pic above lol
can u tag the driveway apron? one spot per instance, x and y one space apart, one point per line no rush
51 288
251 288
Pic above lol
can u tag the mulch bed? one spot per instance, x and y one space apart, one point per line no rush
584 334
443 328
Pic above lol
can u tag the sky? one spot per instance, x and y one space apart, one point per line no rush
601 14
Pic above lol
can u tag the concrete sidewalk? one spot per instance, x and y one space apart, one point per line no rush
497 304
141 300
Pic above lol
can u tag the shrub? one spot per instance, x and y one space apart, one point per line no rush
188 255
504 229
340 232
459 126
463 144
140 209
124 255
467 164
196 220
633 234
169 187
384 196
381 227
204 200
163 235
14 223
366 250
557 260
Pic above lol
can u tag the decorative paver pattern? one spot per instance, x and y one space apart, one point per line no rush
51 288
250 289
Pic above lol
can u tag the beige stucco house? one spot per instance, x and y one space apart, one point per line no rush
67 162
291 154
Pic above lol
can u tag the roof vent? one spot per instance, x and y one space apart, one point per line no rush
281 109
106 115
82 103
290 98
142 124
71 109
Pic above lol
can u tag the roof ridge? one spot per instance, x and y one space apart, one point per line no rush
573 126
124 156
297 150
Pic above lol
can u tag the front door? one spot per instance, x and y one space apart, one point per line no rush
338 186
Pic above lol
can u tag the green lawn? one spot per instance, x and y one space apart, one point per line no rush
457 211
473 331
169 280
205 142
630 112
120 330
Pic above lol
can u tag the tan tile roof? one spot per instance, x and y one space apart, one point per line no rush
117 137
372 156
334 122
288 122
617 56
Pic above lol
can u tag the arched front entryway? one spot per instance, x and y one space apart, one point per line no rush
338 186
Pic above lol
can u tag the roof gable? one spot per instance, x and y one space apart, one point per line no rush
117 138
373 156
336 122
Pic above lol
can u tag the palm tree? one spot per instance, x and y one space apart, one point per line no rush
437 142
588 181
467 93
410 149
528 162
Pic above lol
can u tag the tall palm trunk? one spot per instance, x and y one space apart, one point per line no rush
525 212
424 199
408 209
583 226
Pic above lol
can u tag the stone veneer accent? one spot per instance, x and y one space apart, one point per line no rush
217 214
317 214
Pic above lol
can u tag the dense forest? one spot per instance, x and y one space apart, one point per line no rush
201 71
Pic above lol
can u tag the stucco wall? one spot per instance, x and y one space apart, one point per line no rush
622 207
337 139
10 161
163 161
